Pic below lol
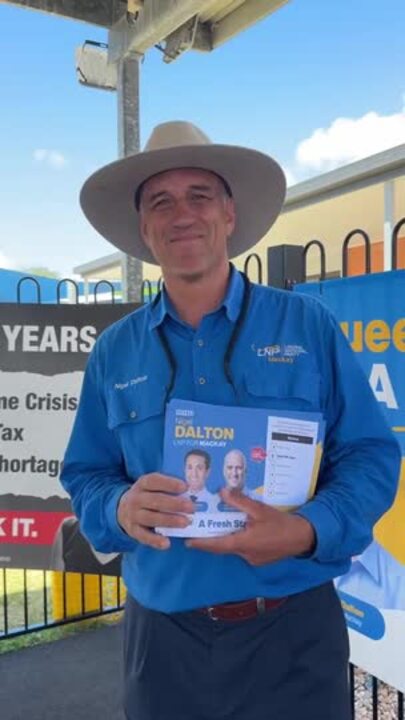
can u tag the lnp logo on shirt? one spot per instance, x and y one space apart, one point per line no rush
279 353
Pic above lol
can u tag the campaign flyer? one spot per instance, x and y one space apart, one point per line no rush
270 456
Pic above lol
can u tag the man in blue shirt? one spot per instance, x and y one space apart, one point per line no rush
245 626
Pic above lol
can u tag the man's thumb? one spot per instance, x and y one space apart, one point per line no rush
240 501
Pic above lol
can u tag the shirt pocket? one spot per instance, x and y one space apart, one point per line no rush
136 416
284 388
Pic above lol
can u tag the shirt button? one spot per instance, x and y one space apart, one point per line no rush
132 414
201 380
200 343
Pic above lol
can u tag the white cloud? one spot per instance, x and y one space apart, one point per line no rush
349 139
6 263
289 176
53 158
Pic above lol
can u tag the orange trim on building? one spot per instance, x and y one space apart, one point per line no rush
356 257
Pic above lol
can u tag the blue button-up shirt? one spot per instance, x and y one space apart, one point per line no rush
290 354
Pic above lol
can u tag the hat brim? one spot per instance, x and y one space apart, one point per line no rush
256 180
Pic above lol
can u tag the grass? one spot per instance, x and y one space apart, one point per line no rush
34 598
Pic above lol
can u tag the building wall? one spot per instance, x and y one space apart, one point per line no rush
330 221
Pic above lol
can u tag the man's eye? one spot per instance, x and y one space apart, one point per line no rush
200 196
161 203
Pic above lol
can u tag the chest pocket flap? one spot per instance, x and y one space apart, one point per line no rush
135 404
284 383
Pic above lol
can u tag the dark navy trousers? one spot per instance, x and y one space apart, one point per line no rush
289 664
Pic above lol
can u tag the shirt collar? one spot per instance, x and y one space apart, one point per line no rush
231 303
369 560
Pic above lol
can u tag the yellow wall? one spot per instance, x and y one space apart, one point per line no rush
151 272
112 273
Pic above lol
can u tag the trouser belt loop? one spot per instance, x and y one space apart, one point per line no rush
261 605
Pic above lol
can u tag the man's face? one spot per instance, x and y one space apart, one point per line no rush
234 470
186 219
196 472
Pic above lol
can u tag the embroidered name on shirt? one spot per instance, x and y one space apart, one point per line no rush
130 383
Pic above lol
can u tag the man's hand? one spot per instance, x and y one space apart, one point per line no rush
269 534
153 501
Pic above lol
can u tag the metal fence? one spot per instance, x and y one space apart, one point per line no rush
36 600
33 600
254 264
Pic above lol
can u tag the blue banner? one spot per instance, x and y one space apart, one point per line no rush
371 312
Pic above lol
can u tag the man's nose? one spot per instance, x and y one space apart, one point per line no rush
182 214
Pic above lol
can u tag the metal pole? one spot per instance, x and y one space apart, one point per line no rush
129 144
388 222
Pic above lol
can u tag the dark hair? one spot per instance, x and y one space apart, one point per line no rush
139 189
201 453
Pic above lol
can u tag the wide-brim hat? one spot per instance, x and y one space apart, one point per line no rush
256 181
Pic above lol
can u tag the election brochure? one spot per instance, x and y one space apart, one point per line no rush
272 456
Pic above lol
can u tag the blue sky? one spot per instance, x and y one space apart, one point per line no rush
317 84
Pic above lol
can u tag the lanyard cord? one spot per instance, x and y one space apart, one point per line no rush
247 287
229 349
170 359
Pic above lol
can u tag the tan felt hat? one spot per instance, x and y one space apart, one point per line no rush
256 181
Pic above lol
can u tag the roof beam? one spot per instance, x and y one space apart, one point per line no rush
243 17
193 35
156 21
96 12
